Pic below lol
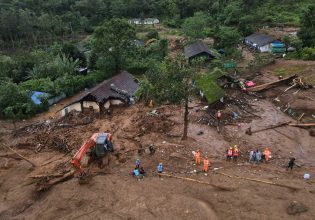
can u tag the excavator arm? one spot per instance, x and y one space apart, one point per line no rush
83 149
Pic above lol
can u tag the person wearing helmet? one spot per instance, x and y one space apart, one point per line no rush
267 154
197 157
235 153
206 164
229 154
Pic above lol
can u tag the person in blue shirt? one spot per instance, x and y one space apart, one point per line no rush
137 163
135 172
160 168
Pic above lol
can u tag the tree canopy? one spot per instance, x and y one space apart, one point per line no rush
115 40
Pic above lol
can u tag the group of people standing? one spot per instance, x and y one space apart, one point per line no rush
197 158
232 153
258 156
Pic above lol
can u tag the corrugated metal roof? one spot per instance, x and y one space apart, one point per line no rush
197 48
123 81
259 39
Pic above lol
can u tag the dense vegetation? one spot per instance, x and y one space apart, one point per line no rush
33 22
43 43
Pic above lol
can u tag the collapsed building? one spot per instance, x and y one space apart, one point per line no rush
116 91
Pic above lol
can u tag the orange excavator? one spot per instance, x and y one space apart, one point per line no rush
96 147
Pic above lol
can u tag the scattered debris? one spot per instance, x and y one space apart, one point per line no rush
296 207
307 176
46 182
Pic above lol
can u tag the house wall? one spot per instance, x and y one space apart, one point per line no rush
89 104
73 107
265 48
116 102
113 102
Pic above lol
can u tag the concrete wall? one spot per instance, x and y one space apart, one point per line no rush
88 104
73 107
94 105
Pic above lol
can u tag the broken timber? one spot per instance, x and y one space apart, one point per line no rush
259 181
303 125
270 85
196 181
250 132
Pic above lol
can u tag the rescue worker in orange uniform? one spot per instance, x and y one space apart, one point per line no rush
205 164
229 154
235 153
197 157
267 154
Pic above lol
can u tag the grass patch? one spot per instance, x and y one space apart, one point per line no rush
290 70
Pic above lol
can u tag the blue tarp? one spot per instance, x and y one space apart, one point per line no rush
277 44
36 97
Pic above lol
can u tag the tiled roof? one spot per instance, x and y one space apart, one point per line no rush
197 48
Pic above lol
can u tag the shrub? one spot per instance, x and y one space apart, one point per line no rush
152 34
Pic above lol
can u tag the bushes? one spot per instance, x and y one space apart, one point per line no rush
306 53
152 34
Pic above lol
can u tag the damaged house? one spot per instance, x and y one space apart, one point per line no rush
199 50
116 91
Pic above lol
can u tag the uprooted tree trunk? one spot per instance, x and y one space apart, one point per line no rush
186 120
19 155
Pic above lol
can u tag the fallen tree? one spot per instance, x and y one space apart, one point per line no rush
19 155
271 84
196 181
250 132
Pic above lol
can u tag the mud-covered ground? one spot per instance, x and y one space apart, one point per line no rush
113 193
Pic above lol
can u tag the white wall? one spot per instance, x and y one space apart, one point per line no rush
73 107
94 105
265 48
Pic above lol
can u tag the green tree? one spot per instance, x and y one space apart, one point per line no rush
227 38
114 39
14 104
196 26
307 31
71 51
172 81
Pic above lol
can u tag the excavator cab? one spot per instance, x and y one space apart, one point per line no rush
103 145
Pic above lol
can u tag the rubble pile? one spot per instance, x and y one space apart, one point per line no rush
52 141
153 123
